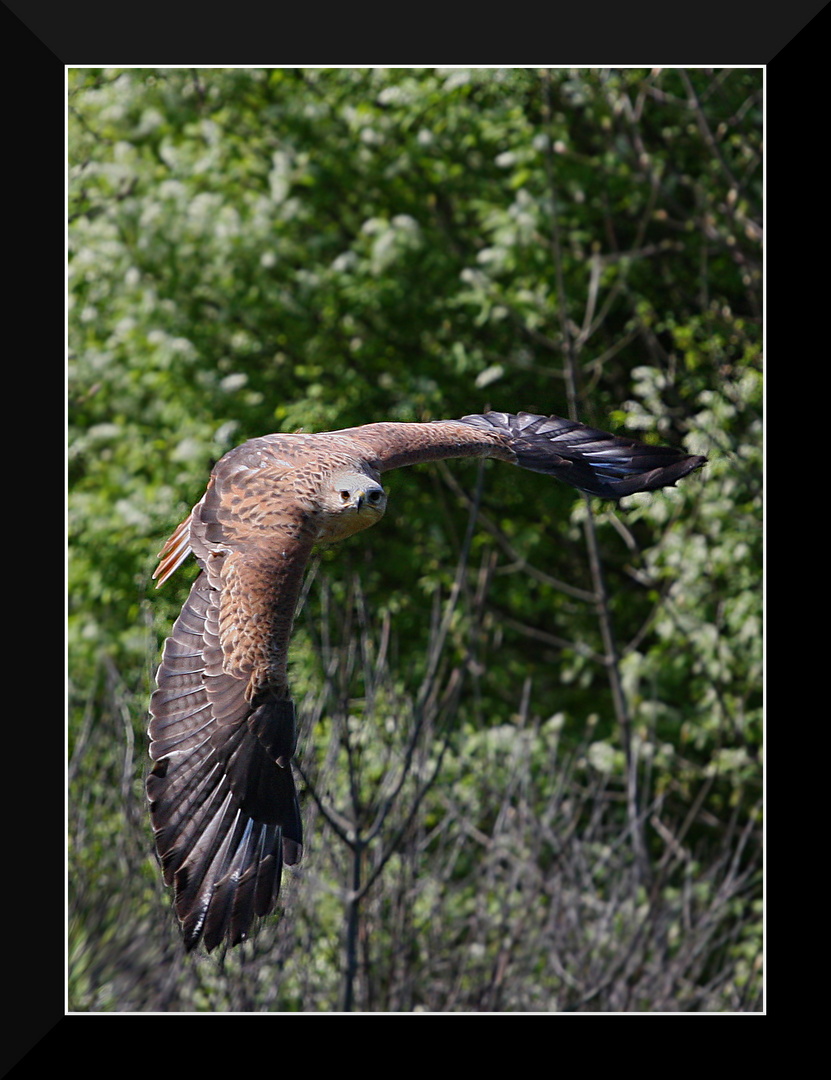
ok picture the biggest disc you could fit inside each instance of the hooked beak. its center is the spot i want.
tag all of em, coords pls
(370, 497)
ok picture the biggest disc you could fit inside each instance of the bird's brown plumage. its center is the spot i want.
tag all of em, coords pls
(222, 797)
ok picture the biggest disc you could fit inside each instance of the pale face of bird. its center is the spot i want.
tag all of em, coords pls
(351, 502)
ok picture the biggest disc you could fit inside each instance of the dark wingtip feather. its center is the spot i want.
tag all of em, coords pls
(589, 459)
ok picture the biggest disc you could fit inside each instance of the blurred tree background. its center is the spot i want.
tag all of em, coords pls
(530, 756)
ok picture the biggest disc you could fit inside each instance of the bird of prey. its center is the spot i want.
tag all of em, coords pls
(222, 797)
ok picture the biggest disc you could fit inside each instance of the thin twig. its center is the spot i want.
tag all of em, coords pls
(612, 659)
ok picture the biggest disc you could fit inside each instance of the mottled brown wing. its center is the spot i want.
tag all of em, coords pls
(388, 446)
(222, 797)
(225, 814)
(594, 461)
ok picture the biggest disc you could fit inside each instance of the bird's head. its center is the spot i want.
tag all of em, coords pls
(350, 501)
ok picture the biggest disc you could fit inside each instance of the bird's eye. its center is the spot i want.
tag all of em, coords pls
(344, 496)
(374, 496)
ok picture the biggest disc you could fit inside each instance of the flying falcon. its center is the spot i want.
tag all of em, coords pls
(222, 797)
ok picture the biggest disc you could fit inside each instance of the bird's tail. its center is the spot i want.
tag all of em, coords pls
(594, 461)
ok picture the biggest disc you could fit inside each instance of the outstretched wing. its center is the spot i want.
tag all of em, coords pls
(589, 459)
(225, 814)
(594, 461)
(222, 797)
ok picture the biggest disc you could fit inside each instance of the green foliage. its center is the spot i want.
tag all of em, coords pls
(262, 250)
